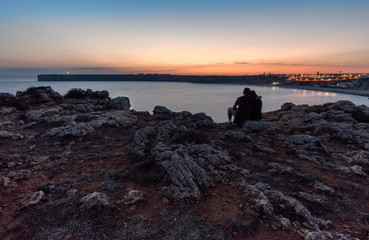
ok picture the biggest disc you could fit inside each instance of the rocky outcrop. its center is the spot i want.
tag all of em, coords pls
(38, 95)
(84, 165)
(183, 171)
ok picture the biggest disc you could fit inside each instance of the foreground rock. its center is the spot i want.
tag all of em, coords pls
(85, 166)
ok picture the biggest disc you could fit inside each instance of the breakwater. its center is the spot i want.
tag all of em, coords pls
(252, 79)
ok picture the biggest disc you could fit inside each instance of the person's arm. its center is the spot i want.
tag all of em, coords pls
(236, 104)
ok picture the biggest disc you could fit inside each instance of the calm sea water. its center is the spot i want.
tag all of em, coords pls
(213, 99)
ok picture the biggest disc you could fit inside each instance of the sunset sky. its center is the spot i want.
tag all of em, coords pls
(232, 37)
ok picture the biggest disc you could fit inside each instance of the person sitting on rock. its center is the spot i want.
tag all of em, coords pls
(241, 110)
(257, 104)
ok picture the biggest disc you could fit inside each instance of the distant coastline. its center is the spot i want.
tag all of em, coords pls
(258, 80)
(246, 79)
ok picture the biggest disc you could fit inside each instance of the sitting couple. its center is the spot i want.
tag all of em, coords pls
(246, 107)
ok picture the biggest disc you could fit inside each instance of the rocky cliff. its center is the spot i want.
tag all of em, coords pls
(85, 166)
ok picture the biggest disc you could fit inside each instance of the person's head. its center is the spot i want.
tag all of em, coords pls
(253, 94)
(246, 91)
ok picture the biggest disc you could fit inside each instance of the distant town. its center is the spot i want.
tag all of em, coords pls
(353, 81)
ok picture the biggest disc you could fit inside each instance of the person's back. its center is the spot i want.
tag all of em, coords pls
(243, 113)
(256, 106)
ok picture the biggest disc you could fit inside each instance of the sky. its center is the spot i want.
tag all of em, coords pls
(201, 37)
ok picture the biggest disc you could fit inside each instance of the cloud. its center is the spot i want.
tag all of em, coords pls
(242, 63)
(300, 64)
(92, 68)
(22, 71)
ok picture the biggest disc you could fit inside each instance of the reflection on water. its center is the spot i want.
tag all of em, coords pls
(306, 93)
(213, 99)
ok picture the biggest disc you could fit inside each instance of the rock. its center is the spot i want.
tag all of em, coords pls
(205, 155)
(176, 193)
(358, 170)
(314, 117)
(6, 134)
(313, 236)
(306, 155)
(32, 199)
(49, 115)
(182, 170)
(287, 106)
(164, 129)
(11, 164)
(286, 223)
(6, 110)
(339, 116)
(264, 148)
(319, 199)
(321, 187)
(79, 107)
(301, 139)
(161, 110)
(362, 157)
(325, 128)
(95, 199)
(165, 200)
(133, 196)
(342, 105)
(282, 169)
(301, 108)
(186, 165)
(72, 193)
(78, 130)
(20, 175)
(7, 124)
(120, 103)
(289, 205)
(145, 135)
(202, 120)
(98, 94)
(218, 176)
(4, 96)
(116, 119)
(238, 136)
(345, 135)
(255, 126)
(35, 95)
(260, 202)
(141, 138)
(305, 142)
(7, 182)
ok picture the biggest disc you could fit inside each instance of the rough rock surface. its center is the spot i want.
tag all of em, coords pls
(85, 166)
(95, 199)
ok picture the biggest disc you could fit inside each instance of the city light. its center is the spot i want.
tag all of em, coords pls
(322, 77)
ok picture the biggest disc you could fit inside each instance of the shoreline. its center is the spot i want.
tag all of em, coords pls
(363, 93)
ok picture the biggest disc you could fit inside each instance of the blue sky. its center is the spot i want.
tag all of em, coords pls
(183, 37)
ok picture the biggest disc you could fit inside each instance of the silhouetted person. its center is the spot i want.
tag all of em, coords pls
(241, 110)
(257, 104)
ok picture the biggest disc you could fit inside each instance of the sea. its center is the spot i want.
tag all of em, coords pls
(212, 99)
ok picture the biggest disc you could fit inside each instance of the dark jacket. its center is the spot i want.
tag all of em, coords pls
(243, 107)
(256, 109)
